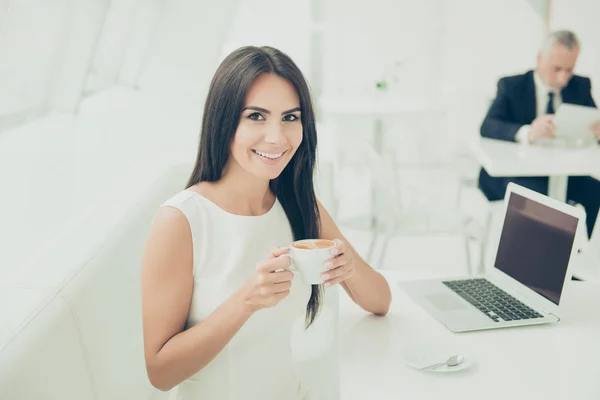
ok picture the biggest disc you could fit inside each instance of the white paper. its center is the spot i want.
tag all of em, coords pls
(573, 123)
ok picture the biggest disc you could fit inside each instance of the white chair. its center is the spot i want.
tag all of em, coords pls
(422, 209)
(327, 164)
(345, 169)
(587, 261)
(337, 155)
(411, 211)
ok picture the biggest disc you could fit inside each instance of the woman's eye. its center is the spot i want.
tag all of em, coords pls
(255, 117)
(290, 118)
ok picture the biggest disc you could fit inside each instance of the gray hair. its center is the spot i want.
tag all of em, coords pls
(566, 38)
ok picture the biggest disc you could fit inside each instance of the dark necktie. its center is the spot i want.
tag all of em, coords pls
(550, 106)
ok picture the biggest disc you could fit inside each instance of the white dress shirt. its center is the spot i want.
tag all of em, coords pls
(541, 101)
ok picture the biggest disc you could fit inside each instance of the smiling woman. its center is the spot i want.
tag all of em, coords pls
(270, 128)
(219, 303)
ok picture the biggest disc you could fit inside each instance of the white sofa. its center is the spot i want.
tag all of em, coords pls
(70, 327)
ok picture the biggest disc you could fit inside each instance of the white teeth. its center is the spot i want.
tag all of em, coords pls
(268, 155)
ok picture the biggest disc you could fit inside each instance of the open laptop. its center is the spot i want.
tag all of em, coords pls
(530, 272)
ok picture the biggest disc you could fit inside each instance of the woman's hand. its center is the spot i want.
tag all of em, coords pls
(270, 283)
(341, 266)
(595, 128)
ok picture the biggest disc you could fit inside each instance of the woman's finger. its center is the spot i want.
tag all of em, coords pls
(339, 270)
(340, 247)
(273, 264)
(277, 251)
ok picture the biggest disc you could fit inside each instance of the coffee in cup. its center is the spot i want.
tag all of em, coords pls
(313, 244)
(308, 257)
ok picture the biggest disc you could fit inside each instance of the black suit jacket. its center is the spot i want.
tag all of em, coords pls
(515, 106)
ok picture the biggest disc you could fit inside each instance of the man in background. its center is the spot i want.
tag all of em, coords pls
(523, 111)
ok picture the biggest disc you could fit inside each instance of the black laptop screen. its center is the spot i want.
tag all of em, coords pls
(535, 245)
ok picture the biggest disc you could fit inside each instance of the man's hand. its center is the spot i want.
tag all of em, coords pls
(595, 128)
(542, 128)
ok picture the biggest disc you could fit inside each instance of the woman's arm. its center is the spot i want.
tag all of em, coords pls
(172, 353)
(365, 286)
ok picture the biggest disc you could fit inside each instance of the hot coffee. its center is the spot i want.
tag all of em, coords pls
(313, 244)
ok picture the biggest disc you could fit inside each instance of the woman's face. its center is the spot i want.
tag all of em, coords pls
(270, 128)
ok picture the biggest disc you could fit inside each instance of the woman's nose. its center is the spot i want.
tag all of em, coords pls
(275, 133)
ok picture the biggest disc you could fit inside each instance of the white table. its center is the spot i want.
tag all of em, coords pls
(558, 361)
(502, 159)
(380, 106)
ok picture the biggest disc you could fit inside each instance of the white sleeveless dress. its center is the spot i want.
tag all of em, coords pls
(257, 363)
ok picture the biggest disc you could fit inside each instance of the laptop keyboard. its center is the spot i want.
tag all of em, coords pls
(491, 300)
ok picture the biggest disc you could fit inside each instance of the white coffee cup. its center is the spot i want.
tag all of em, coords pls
(309, 257)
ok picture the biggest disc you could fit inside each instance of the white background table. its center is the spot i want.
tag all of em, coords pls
(502, 159)
(558, 361)
(378, 107)
(381, 107)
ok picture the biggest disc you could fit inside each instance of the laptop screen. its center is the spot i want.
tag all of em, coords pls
(535, 245)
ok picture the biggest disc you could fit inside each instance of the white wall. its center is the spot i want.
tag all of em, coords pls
(32, 34)
(581, 16)
(81, 32)
(52, 52)
(468, 43)
(484, 41)
(112, 44)
(281, 24)
(365, 39)
(453, 51)
(186, 42)
(46, 49)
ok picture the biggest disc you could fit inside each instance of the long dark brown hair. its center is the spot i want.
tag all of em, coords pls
(224, 103)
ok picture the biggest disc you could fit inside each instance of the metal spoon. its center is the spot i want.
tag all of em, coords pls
(450, 362)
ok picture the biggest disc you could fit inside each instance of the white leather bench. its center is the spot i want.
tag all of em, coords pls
(70, 327)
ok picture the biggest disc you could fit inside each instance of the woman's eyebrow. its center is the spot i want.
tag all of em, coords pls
(263, 110)
(291, 111)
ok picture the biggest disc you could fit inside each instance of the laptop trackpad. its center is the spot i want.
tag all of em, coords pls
(446, 302)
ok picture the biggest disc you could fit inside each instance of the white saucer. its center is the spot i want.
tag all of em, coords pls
(425, 354)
